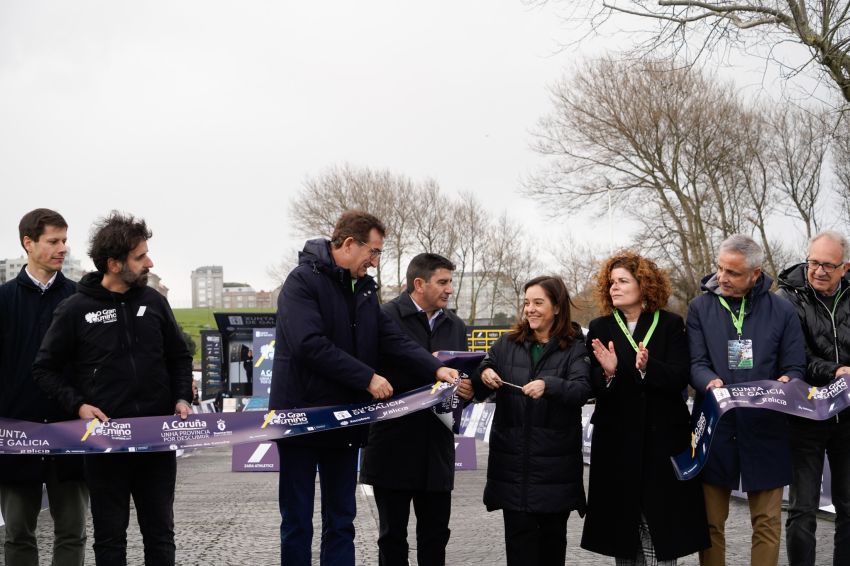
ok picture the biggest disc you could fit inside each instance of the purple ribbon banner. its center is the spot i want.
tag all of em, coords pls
(796, 398)
(159, 434)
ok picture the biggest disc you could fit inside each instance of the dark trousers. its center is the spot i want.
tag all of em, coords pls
(337, 480)
(810, 440)
(20, 505)
(433, 510)
(535, 539)
(150, 479)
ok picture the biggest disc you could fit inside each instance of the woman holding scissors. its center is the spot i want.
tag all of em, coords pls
(539, 372)
(638, 511)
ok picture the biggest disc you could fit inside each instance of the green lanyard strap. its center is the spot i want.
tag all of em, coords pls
(737, 321)
(628, 334)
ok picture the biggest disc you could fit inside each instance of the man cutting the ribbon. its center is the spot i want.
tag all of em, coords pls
(331, 334)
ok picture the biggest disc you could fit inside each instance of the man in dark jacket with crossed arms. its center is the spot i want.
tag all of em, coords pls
(331, 335)
(413, 458)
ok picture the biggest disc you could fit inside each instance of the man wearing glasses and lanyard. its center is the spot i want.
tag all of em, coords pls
(818, 289)
(738, 332)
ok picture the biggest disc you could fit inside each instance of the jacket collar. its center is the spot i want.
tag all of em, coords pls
(709, 284)
(794, 279)
(317, 255)
(24, 279)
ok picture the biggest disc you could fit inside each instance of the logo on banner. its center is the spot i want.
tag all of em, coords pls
(291, 418)
(342, 415)
(109, 429)
(19, 439)
(831, 391)
(260, 452)
(266, 353)
(181, 424)
(220, 424)
(439, 386)
(105, 316)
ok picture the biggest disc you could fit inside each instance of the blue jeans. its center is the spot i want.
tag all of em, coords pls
(150, 479)
(810, 440)
(337, 480)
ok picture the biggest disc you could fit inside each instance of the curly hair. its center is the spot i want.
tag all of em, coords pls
(654, 283)
(562, 327)
(115, 236)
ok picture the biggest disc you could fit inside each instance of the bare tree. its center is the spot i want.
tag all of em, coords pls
(280, 270)
(665, 140)
(578, 263)
(841, 166)
(509, 263)
(822, 27)
(386, 195)
(469, 216)
(799, 144)
(433, 225)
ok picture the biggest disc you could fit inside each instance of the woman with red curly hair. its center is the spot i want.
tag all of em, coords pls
(638, 511)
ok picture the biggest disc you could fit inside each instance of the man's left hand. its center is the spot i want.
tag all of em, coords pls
(464, 389)
(183, 409)
(783, 378)
(449, 375)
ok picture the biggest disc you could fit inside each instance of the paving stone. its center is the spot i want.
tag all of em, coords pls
(232, 519)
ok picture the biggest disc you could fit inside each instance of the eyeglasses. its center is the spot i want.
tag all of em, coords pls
(827, 267)
(374, 253)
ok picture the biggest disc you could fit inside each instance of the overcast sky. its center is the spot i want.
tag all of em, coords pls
(206, 117)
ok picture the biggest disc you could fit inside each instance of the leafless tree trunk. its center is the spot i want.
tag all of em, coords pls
(471, 220)
(799, 144)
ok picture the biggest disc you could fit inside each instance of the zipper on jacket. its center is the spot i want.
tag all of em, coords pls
(834, 326)
(831, 314)
(532, 373)
(131, 350)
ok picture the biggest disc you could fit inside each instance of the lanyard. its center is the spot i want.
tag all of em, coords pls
(737, 321)
(628, 334)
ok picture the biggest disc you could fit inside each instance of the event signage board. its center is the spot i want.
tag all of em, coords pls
(263, 347)
(212, 361)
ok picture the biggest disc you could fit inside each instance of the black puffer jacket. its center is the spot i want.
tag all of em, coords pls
(535, 462)
(827, 333)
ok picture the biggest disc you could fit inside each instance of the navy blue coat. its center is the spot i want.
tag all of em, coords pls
(749, 444)
(415, 452)
(25, 315)
(330, 338)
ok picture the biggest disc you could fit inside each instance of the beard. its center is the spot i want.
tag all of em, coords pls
(133, 279)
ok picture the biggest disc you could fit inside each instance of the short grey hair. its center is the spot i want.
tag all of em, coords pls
(744, 245)
(836, 237)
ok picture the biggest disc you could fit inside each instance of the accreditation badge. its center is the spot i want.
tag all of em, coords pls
(740, 354)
